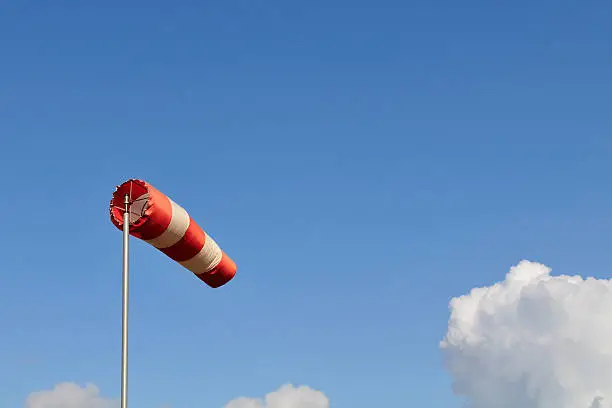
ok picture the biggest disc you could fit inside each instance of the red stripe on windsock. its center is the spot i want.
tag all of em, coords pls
(189, 246)
(159, 214)
(221, 274)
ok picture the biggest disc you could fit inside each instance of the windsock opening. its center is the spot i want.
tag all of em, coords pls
(138, 197)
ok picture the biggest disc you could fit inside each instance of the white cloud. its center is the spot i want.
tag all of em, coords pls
(532, 341)
(287, 396)
(70, 395)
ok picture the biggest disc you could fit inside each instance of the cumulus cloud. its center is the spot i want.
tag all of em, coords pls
(288, 396)
(533, 340)
(70, 395)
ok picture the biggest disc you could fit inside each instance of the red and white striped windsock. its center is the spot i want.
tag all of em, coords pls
(159, 221)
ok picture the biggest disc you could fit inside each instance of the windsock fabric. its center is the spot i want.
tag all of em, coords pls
(164, 224)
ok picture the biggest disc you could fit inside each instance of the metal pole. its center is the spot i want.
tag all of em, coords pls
(126, 282)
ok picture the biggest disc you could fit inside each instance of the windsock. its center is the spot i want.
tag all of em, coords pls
(159, 221)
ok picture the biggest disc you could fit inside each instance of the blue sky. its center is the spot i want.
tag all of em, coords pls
(362, 162)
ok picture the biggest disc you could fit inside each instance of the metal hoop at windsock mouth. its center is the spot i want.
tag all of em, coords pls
(159, 221)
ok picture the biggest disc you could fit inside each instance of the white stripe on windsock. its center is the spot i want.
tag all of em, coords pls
(207, 259)
(175, 231)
